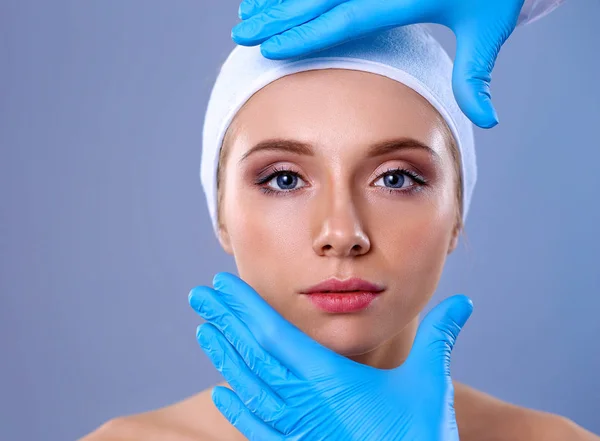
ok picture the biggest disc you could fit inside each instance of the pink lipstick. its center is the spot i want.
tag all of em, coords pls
(343, 296)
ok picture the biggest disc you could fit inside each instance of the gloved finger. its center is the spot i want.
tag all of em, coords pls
(438, 331)
(254, 393)
(279, 18)
(301, 354)
(232, 408)
(249, 8)
(347, 21)
(476, 53)
(210, 307)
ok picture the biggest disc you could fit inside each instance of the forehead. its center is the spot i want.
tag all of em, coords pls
(337, 107)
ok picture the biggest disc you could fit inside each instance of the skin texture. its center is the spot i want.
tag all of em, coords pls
(342, 222)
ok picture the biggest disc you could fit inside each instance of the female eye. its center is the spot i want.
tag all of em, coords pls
(395, 180)
(280, 181)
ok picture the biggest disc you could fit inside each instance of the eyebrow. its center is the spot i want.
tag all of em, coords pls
(302, 148)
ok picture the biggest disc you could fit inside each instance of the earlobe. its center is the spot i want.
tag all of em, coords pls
(224, 240)
(453, 240)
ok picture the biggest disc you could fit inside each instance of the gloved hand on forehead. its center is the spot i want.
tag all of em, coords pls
(290, 28)
(287, 386)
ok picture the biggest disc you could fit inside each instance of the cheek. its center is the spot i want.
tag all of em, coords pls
(267, 247)
(414, 239)
(264, 229)
(413, 248)
(421, 235)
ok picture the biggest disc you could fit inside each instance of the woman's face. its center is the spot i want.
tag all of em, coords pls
(331, 210)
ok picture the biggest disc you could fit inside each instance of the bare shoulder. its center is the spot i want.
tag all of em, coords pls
(482, 417)
(191, 419)
(551, 427)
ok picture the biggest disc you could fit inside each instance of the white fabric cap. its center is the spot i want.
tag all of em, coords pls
(407, 54)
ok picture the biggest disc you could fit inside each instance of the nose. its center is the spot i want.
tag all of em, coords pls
(340, 232)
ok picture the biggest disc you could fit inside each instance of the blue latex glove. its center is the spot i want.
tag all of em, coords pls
(296, 27)
(289, 387)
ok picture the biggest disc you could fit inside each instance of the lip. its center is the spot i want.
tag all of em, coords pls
(342, 302)
(353, 284)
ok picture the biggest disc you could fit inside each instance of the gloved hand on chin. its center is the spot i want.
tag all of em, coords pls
(289, 387)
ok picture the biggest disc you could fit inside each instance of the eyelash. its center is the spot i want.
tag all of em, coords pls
(420, 180)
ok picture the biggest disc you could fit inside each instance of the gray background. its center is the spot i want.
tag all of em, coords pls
(104, 228)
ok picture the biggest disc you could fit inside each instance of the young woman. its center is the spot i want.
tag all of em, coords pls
(351, 163)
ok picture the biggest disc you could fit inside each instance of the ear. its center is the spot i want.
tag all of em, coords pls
(224, 239)
(453, 239)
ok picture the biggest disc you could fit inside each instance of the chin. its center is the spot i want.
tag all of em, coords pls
(347, 337)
